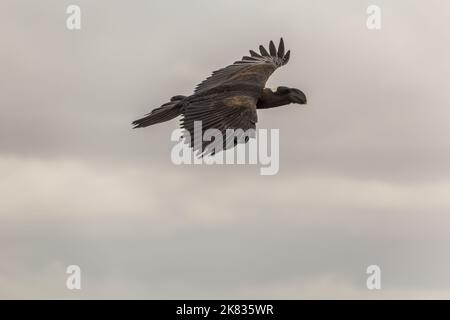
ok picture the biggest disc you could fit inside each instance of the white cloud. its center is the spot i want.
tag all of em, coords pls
(146, 228)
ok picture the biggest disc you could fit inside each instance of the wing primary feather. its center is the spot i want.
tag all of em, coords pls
(281, 49)
(263, 51)
(273, 50)
(254, 54)
(286, 57)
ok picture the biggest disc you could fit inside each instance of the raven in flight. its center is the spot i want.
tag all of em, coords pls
(228, 99)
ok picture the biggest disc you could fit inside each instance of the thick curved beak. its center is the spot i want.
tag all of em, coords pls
(299, 97)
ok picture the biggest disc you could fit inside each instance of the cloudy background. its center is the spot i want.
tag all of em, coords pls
(364, 168)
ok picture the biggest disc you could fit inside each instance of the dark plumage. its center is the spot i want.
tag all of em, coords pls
(228, 99)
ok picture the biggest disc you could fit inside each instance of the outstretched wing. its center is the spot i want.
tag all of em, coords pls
(227, 99)
(221, 112)
(255, 69)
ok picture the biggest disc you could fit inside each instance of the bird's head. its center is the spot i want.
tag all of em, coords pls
(292, 94)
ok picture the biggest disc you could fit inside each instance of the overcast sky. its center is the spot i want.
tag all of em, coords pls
(364, 168)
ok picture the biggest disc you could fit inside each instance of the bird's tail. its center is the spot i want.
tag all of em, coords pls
(164, 113)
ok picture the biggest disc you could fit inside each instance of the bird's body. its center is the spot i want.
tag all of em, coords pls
(229, 98)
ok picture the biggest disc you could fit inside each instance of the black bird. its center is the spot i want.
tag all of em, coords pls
(228, 99)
